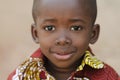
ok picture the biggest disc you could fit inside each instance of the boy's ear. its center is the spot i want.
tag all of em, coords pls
(95, 33)
(34, 33)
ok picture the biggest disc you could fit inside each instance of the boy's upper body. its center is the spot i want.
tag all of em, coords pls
(39, 72)
(64, 29)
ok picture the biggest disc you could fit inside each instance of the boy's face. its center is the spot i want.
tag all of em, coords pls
(64, 31)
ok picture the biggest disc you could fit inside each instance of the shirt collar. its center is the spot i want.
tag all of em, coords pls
(33, 68)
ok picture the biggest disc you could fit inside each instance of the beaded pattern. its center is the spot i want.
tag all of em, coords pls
(90, 61)
(33, 69)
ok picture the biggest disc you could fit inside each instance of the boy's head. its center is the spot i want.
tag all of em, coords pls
(64, 29)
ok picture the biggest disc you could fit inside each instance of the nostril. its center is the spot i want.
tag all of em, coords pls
(67, 42)
(57, 42)
(62, 42)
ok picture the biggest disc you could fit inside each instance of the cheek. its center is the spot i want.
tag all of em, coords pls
(44, 46)
(45, 43)
(81, 42)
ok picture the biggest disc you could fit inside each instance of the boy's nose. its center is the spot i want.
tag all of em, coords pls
(63, 41)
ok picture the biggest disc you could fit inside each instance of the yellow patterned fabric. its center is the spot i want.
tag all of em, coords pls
(90, 61)
(33, 68)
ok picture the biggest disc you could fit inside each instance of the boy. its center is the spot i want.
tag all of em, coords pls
(64, 29)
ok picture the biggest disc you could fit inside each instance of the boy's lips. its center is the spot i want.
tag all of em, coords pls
(62, 56)
(63, 53)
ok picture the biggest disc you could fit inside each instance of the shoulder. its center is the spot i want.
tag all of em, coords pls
(27, 69)
(35, 59)
(111, 73)
(11, 75)
(107, 73)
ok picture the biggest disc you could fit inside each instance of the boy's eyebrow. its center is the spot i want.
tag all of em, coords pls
(76, 20)
(49, 19)
(71, 20)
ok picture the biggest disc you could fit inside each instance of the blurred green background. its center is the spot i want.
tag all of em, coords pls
(16, 42)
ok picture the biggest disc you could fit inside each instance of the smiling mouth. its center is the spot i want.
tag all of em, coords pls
(63, 53)
(62, 56)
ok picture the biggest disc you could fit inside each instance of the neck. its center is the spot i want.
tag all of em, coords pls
(58, 72)
(53, 68)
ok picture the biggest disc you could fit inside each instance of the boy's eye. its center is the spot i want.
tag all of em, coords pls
(76, 28)
(49, 28)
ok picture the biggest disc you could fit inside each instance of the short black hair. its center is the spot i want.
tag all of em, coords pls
(90, 6)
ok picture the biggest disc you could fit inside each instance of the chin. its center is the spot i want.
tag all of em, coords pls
(63, 65)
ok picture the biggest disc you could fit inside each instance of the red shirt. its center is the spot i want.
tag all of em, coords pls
(106, 73)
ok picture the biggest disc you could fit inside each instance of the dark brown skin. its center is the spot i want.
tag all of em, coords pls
(64, 31)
